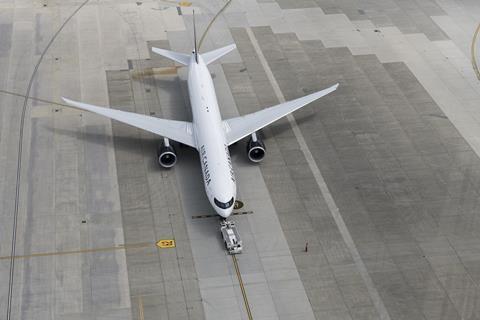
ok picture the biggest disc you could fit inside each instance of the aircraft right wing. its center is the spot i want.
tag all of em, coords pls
(240, 127)
(180, 131)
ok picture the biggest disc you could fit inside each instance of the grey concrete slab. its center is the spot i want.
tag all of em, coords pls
(396, 145)
(149, 213)
(422, 148)
(216, 276)
(53, 219)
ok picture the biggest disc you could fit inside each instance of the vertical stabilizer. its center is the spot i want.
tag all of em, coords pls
(195, 38)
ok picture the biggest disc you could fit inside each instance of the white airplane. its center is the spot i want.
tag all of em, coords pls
(208, 133)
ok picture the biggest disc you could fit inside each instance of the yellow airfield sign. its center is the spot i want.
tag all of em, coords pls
(166, 243)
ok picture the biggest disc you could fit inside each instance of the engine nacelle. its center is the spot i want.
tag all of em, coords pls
(255, 149)
(167, 156)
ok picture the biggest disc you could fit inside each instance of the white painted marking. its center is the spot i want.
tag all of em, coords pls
(347, 238)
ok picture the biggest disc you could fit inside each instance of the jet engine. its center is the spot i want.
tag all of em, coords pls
(255, 149)
(167, 156)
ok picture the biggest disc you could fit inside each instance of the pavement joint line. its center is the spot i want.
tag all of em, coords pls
(333, 208)
(472, 48)
(60, 253)
(242, 287)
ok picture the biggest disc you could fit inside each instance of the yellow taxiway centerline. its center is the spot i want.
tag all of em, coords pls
(211, 22)
(60, 253)
(141, 315)
(242, 287)
(474, 58)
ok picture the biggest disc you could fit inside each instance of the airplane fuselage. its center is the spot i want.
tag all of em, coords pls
(218, 175)
(207, 132)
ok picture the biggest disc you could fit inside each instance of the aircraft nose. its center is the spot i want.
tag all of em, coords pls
(225, 213)
(222, 207)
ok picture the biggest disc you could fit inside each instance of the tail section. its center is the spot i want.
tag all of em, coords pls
(184, 59)
(211, 56)
(181, 58)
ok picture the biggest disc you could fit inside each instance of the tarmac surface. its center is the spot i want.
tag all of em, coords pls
(380, 180)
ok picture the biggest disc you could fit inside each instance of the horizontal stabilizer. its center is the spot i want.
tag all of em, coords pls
(181, 58)
(240, 127)
(211, 56)
(180, 131)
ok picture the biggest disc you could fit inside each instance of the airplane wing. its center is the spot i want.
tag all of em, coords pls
(180, 131)
(240, 127)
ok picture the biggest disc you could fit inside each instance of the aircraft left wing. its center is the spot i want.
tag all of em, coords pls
(180, 131)
(240, 127)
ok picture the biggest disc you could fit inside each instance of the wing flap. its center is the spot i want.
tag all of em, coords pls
(180, 131)
(240, 127)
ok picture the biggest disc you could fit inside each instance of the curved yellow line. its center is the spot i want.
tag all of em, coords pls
(211, 22)
(474, 58)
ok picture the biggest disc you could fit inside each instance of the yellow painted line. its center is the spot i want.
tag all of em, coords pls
(141, 315)
(175, 3)
(474, 57)
(166, 243)
(61, 253)
(211, 22)
(242, 287)
(33, 98)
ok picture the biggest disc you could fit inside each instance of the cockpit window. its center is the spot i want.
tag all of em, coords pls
(223, 205)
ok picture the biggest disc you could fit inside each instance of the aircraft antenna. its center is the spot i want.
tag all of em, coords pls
(195, 37)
